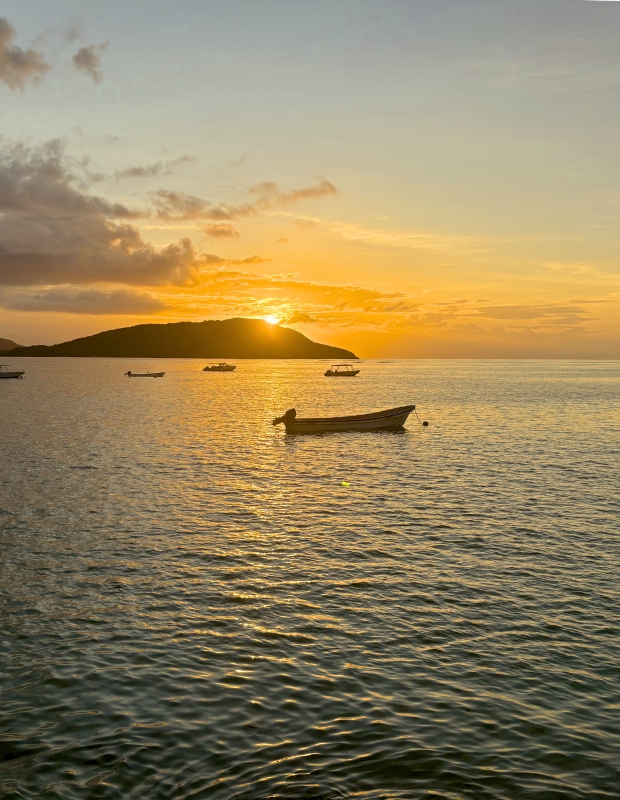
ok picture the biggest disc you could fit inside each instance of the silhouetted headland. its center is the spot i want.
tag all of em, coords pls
(8, 344)
(229, 338)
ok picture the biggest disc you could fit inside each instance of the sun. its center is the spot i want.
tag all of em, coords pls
(271, 319)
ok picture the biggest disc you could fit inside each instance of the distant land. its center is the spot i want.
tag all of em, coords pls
(7, 344)
(228, 338)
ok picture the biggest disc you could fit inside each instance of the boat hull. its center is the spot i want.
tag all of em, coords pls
(146, 375)
(12, 374)
(330, 374)
(391, 419)
(219, 369)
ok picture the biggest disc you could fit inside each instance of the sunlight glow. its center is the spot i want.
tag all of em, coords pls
(271, 319)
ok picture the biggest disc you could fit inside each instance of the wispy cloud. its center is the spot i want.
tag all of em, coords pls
(517, 316)
(174, 206)
(409, 239)
(414, 240)
(270, 194)
(155, 169)
(297, 318)
(70, 300)
(19, 67)
(291, 292)
(571, 268)
(88, 61)
(220, 230)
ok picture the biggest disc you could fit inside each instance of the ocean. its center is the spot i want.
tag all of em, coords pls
(195, 605)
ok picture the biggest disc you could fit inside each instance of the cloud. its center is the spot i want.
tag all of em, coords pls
(236, 285)
(175, 206)
(178, 206)
(54, 232)
(306, 223)
(19, 67)
(297, 317)
(515, 316)
(270, 194)
(571, 268)
(69, 300)
(73, 32)
(211, 259)
(221, 230)
(88, 60)
(153, 170)
(558, 313)
(407, 239)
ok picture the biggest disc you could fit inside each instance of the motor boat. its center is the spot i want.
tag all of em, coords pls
(7, 372)
(376, 421)
(220, 366)
(145, 374)
(341, 371)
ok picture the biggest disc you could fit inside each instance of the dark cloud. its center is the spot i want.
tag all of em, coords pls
(85, 301)
(88, 60)
(54, 232)
(153, 170)
(19, 67)
(221, 230)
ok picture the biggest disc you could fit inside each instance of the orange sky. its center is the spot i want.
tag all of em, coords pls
(401, 182)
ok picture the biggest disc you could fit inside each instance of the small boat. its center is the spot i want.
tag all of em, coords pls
(6, 372)
(376, 421)
(341, 371)
(220, 366)
(145, 374)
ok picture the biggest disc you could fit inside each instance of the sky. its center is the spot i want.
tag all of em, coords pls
(407, 179)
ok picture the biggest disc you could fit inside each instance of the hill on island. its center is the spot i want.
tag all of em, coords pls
(229, 338)
(7, 344)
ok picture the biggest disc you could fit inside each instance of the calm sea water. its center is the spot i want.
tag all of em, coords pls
(194, 605)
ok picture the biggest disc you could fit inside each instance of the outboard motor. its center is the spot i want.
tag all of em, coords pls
(286, 418)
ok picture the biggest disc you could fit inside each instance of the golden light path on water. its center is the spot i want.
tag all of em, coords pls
(194, 604)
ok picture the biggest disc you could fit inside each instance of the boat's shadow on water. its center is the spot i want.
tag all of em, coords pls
(290, 437)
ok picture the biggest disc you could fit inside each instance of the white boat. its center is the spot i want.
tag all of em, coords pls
(145, 374)
(220, 366)
(341, 371)
(7, 372)
(376, 421)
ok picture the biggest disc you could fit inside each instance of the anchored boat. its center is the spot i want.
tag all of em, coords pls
(220, 366)
(7, 372)
(145, 374)
(341, 371)
(376, 421)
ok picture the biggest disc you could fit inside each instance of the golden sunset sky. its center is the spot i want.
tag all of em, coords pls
(432, 178)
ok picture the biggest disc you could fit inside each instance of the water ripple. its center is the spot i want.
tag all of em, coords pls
(193, 605)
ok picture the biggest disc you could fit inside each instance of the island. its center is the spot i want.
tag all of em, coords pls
(228, 338)
(8, 344)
